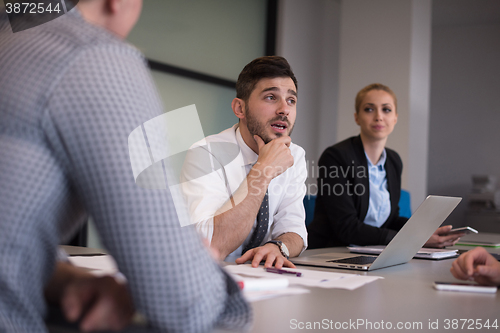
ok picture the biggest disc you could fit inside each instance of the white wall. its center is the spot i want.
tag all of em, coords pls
(208, 36)
(308, 33)
(465, 119)
(336, 47)
(216, 37)
(419, 101)
(388, 41)
(446, 76)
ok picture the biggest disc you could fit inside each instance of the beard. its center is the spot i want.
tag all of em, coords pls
(256, 127)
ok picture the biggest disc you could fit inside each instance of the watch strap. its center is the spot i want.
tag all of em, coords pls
(279, 244)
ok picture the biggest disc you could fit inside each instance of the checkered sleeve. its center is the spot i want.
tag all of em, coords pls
(91, 110)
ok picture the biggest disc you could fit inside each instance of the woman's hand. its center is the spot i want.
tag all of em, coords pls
(440, 238)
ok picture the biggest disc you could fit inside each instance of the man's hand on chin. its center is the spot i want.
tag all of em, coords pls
(268, 252)
(275, 157)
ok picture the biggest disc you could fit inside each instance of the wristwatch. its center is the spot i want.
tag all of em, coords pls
(283, 249)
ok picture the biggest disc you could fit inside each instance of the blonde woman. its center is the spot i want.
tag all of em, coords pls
(359, 181)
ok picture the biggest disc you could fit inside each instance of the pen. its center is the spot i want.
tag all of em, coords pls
(282, 271)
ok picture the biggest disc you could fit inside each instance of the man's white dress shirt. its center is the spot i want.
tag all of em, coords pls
(206, 194)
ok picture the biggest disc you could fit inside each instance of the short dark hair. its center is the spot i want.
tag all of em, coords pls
(260, 68)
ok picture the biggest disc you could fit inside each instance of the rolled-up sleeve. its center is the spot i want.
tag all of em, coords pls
(290, 214)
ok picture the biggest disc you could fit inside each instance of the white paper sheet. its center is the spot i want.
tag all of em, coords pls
(309, 278)
(254, 296)
(99, 265)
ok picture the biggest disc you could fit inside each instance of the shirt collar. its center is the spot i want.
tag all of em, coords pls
(381, 161)
(249, 156)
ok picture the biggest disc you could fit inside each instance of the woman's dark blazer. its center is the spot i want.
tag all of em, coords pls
(344, 194)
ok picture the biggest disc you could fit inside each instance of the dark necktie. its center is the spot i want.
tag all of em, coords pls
(262, 223)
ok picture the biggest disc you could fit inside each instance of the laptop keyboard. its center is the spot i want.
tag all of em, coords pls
(359, 260)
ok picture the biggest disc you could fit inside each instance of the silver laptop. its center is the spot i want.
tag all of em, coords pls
(427, 218)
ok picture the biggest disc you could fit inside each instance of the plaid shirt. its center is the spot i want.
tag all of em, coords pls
(70, 94)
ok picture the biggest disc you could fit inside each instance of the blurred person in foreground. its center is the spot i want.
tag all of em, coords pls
(71, 92)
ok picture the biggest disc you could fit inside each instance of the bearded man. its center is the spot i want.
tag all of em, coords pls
(249, 206)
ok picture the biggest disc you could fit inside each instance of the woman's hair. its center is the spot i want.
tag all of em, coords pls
(374, 86)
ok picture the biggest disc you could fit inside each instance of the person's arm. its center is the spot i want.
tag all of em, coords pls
(271, 254)
(288, 218)
(101, 303)
(294, 243)
(94, 107)
(440, 239)
(477, 265)
(232, 227)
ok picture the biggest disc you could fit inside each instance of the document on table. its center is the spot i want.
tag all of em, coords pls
(309, 278)
(254, 296)
(256, 289)
(423, 253)
(483, 239)
(98, 265)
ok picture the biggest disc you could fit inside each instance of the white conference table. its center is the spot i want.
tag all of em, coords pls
(404, 298)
